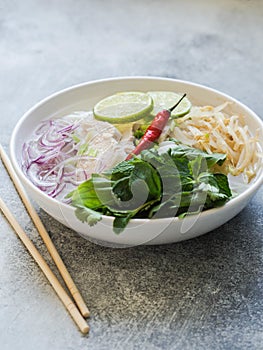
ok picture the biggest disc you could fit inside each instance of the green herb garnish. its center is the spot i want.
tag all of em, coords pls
(177, 182)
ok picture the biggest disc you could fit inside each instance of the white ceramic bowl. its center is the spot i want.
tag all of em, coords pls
(139, 231)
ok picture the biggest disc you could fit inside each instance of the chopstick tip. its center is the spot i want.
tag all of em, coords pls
(85, 330)
(86, 313)
(3, 154)
(1, 149)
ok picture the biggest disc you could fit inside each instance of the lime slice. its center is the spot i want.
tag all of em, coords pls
(123, 107)
(167, 99)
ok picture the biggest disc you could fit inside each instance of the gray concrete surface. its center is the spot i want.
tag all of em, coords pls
(204, 293)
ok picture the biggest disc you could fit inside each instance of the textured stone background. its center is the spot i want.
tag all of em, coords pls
(204, 293)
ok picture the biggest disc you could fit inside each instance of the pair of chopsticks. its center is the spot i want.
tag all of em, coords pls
(78, 313)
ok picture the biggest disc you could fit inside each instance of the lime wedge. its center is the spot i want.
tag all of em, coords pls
(123, 107)
(166, 99)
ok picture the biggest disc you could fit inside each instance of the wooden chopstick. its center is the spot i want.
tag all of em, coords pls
(45, 236)
(69, 304)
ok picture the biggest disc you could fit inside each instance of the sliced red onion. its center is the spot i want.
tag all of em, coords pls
(50, 158)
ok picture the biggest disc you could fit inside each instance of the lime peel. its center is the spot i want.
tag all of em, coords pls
(165, 99)
(123, 107)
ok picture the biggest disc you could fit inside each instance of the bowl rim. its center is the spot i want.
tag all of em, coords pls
(231, 203)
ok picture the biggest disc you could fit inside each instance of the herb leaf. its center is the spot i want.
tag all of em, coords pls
(85, 214)
(177, 182)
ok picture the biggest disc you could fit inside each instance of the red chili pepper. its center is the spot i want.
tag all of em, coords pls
(154, 131)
